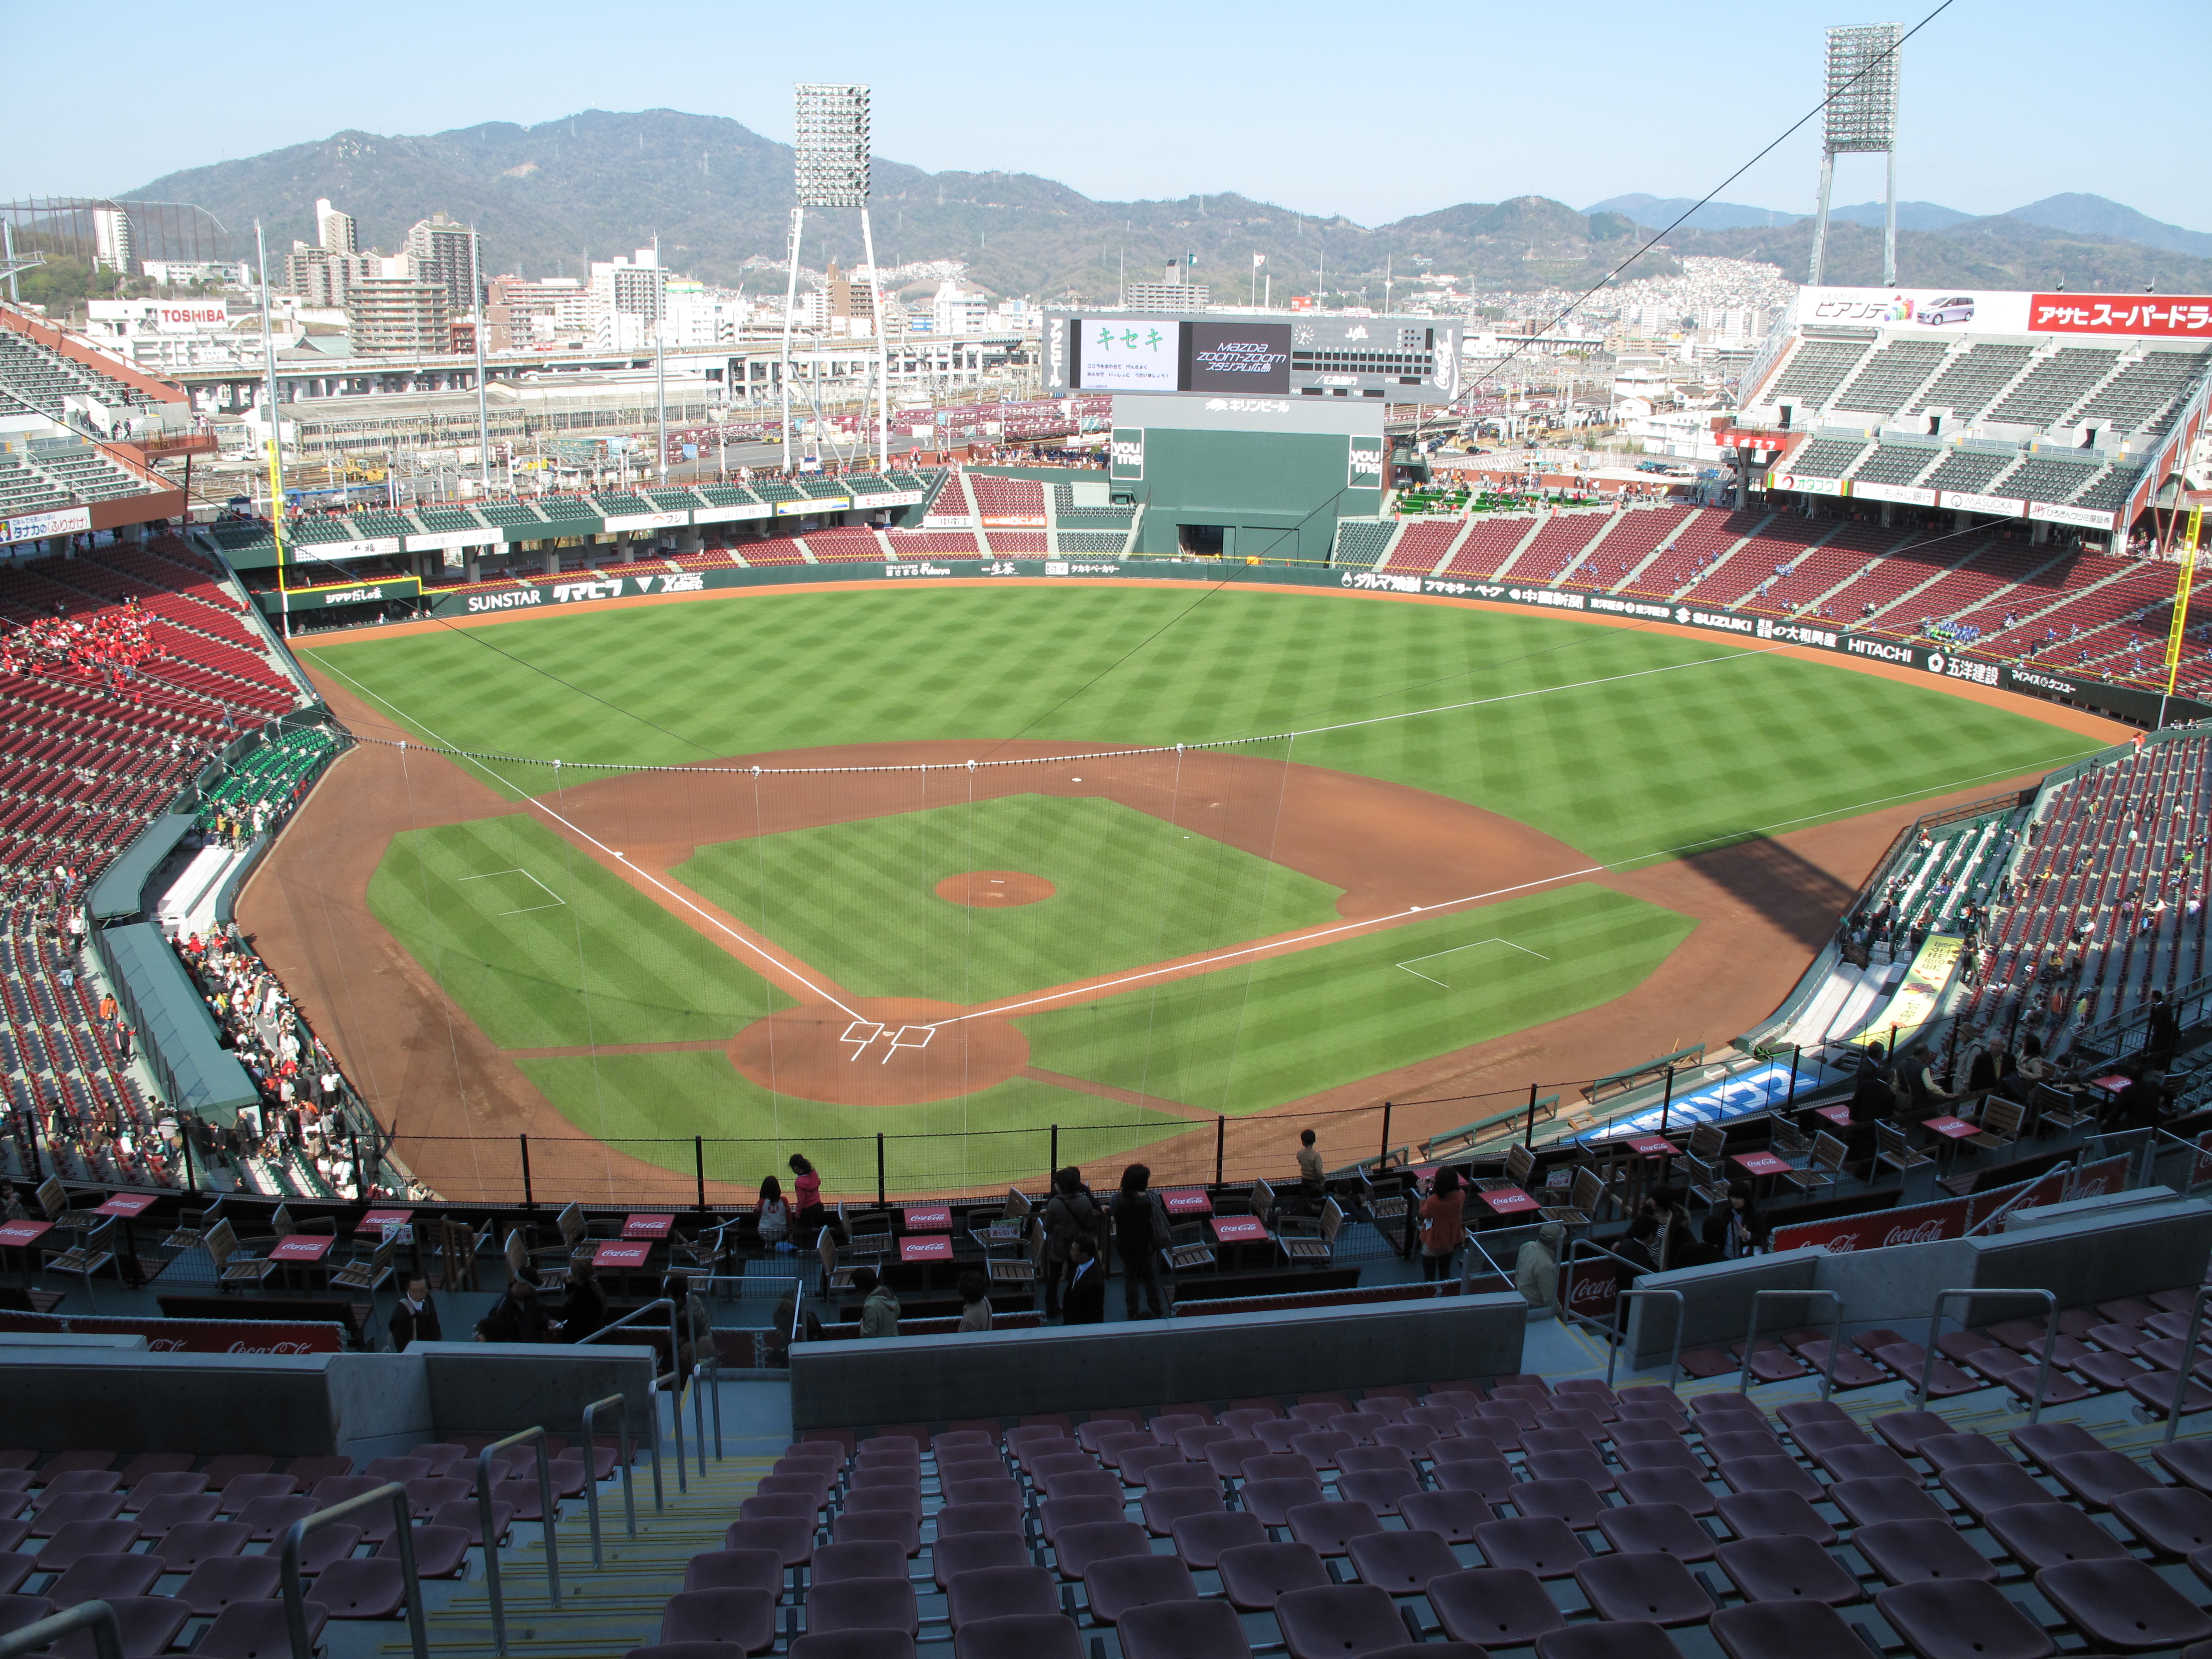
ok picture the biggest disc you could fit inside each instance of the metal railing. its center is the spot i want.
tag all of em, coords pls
(675, 1348)
(1928, 1356)
(545, 1495)
(1751, 1336)
(106, 1630)
(2012, 1203)
(295, 1605)
(1674, 1358)
(2188, 1360)
(621, 1403)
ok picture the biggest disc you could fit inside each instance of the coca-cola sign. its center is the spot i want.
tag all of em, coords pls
(1595, 1291)
(1923, 1224)
(189, 1335)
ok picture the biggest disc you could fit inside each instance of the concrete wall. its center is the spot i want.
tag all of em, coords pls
(1056, 1367)
(1716, 1303)
(2106, 1253)
(474, 1387)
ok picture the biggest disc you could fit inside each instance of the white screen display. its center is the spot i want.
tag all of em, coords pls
(1130, 356)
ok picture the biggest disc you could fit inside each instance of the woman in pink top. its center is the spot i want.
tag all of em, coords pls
(1444, 1214)
(806, 1194)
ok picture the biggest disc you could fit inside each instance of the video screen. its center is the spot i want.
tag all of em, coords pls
(1120, 355)
(1241, 358)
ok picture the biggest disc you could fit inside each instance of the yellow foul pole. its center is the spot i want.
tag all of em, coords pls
(2188, 580)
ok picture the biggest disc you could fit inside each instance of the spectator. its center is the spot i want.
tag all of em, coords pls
(516, 1317)
(1537, 1268)
(2140, 1105)
(2160, 1030)
(806, 1194)
(1140, 1231)
(416, 1318)
(1069, 1214)
(879, 1309)
(1086, 1284)
(1443, 1218)
(1665, 1206)
(975, 1300)
(1735, 1228)
(587, 1309)
(1634, 1248)
(1929, 1097)
(773, 1215)
(1312, 1179)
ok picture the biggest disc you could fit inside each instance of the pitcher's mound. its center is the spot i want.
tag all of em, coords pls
(889, 1051)
(994, 888)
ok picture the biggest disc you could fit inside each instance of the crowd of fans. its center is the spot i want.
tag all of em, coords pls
(107, 645)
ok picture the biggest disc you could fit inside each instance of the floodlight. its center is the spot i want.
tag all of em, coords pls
(832, 143)
(1862, 108)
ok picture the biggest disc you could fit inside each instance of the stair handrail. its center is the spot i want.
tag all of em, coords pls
(535, 1434)
(402, 1528)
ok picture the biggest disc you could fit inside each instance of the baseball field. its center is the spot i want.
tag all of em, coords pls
(1428, 851)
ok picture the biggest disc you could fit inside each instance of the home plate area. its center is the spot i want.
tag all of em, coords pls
(880, 1051)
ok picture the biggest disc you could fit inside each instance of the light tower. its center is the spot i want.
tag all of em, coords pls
(1861, 119)
(832, 144)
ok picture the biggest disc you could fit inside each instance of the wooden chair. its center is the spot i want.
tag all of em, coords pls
(1787, 1141)
(1708, 1141)
(1891, 1148)
(455, 1246)
(867, 1231)
(1263, 1202)
(838, 1266)
(1705, 1179)
(1317, 1246)
(366, 1272)
(1999, 1125)
(2058, 1106)
(1825, 1168)
(53, 1199)
(84, 1259)
(1584, 1198)
(233, 1265)
(192, 1229)
(1520, 1165)
(574, 1246)
(1187, 1250)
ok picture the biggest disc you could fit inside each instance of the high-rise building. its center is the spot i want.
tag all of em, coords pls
(111, 231)
(398, 314)
(335, 230)
(628, 298)
(521, 314)
(322, 275)
(961, 310)
(446, 253)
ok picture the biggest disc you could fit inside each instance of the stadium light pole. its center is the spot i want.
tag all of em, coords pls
(1860, 117)
(830, 139)
(476, 332)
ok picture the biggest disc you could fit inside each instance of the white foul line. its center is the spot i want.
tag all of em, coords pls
(1455, 950)
(527, 876)
(585, 835)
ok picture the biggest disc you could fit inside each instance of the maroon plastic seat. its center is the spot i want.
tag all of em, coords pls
(358, 1589)
(1708, 1406)
(1491, 1476)
(464, 1513)
(243, 1487)
(1818, 1435)
(760, 1569)
(14, 1568)
(969, 1552)
(741, 1617)
(997, 1489)
(1646, 1427)
(1961, 1619)
(1952, 1451)
(150, 1624)
(1056, 1514)
(1254, 1575)
(255, 1630)
(1576, 1418)
(305, 1471)
(442, 1454)
(439, 1552)
(2050, 1534)
(77, 1539)
(1401, 1563)
(1114, 1585)
(2123, 1605)
(1379, 1490)
(2040, 1442)
(104, 1578)
(1321, 1449)
(1453, 1516)
(1557, 1440)
(793, 1540)
(1544, 1545)
(228, 1580)
(956, 1518)
(2189, 1461)
(17, 1611)
(1649, 1587)
(1093, 1482)
(1985, 1486)
(1671, 1453)
(1273, 1500)
(2098, 1477)
(1651, 1396)
(1328, 1526)
(1885, 1498)
(903, 1527)
(1162, 1509)
(267, 1518)
(1023, 1636)
(1905, 1430)
(1494, 1606)
(869, 1558)
(1277, 1434)
(1228, 1459)
(1667, 1486)
(1909, 1552)
(1444, 1419)
(327, 1544)
(74, 1508)
(1786, 1569)
(1657, 1528)
(1333, 1620)
(1077, 1547)
(1184, 1629)
(863, 1604)
(1041, 1461)
(1637, 1639)
(2176, 1522)
(1864, 1462)
(1362, 1426)
(1773, 1514)
(381, 1470)
(1572, 1501)
(1724, 1443)
(183, 1548)
(1005, 1592)
(1136, 1468)
(1784, 1630)
(1199, 1539)
(1373, 1460)
(71, 1462)
(164, 1483)
(1280, 1465)
(1775, 1473)
(162, 1516)
(1586, 1467)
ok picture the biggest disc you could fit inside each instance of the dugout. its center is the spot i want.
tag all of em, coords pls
(1237, 478)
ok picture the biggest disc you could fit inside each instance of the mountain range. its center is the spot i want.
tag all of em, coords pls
(550, 197)
(2079, 215)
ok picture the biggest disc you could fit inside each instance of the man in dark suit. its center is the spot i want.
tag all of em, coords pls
(416, 1318)
(1085, 1298)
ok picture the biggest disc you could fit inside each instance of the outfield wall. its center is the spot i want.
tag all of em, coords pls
(2127, 703)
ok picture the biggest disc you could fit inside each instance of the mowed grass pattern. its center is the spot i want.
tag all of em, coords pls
(1248, 1036)
(650, 1106)
(563, 956)
(858, 901)
(1625, 744)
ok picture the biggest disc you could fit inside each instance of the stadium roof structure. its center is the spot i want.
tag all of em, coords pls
(2069, 408)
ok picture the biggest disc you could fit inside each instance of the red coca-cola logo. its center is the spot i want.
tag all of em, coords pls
(1924, 1233)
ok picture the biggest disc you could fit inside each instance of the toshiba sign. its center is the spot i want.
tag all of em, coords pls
(189, 316)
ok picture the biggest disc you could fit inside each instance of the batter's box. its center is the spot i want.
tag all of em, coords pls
(907, 1036)
(860, 1033)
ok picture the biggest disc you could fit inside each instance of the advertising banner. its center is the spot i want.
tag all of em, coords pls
(2088, 518)
(380, 547)
(438, 541)
(796, 509)
(1881, 492)
(1365, 469)
(315, 598)
(189, 1335)
(190, 316)
(1914, 1005)
(1241, 358)
(1127, 356)
(2104, 1176)
(892, 498)
(1746, 1093)
(1124, 454)
(732, 514)
(1595, 1291)
(623, 521)
(36, 526)
(2172, 316)
(1808, 486)
(1922, 1224)
(2004, 507)
(2151, 316)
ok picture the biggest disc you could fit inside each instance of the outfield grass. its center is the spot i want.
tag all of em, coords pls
(543, 949)
(650, 1106)
(858, 901)
(1254, 1034)
(1625, 744)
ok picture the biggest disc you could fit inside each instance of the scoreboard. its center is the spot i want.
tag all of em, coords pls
(1399, 360)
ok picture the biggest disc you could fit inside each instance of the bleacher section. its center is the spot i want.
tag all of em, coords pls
(1490, 541)
(1897, 464)
(1630, 544)
(2055, 385)
(846, 546)
(1421, 545)
(1556, 545)
(1007, 498)
(2144, 395)
(1972, 380)
(1359, 542)
(1812, 375)
(2046, 479)
(44, 378)
(1827, 458)
(1766, 559)
(934, 544)
(1969, 471)
(1889, 377)
(275, 773)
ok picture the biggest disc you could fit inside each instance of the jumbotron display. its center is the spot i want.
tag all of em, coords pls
(1393, 359)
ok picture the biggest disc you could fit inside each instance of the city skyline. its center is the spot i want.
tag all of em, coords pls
(1229, 99)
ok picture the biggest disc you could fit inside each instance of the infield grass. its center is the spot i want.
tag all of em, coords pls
(858, 900)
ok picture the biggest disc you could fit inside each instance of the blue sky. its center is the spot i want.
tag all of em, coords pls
(1322, 107)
